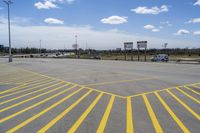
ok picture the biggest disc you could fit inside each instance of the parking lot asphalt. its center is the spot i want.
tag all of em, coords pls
(87, 96)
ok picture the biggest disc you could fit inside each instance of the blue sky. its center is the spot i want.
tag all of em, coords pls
(102, 24)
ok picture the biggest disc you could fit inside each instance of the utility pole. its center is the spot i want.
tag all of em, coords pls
(76, 42)
(8, 2)
(40, 46)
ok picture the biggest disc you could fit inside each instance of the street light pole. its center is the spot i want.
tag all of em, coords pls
(8, 2)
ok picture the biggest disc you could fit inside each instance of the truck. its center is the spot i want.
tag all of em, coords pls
(160, 58)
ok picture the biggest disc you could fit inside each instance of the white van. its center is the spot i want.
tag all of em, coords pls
(160, 57)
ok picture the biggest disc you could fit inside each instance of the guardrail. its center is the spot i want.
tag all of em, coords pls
(188, 60)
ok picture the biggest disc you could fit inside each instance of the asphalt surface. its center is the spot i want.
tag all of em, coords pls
(87, 96)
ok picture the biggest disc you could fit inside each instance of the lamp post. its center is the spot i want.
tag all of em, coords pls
(8, 2)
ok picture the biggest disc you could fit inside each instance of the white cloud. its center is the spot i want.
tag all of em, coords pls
(45, 5)
(153, 10)
(152, 28)
(194, 20)
(114, 20)
(182, 32)
(166, 23)
(197, 33)
(197, 3)
(55, 37)
(62, 1)
(53, 21)
(149, 27)
(155, 30)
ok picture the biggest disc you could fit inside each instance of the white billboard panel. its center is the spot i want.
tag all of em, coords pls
(128, 45)
(142, 44)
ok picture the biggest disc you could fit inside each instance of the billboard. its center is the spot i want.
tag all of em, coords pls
(128, 45)
(75, 46)
(142, 44)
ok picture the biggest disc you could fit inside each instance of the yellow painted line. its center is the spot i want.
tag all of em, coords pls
(145, 93)
(84, 115)
(176, 119)
(129, 117)
(194, 99)
(23, 86)
(14, 129)
(32, 98)
(60, 116)
(120, 81)
(152, 115)
(192, 90)
(184, 105)
(30, 88)
(35, 105)
(18, 78)
(20, 81)
(30, 93)
(102, 91)
(24, 82)
(196, 86)
(13, 77)
(14, 88)
(105, 116)
(32, 81)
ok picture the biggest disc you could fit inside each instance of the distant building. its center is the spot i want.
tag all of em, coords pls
(1, 47)
(118, 49)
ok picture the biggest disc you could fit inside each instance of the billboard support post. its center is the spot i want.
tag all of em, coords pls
(142, 44)
(138, 54)
(128, 46)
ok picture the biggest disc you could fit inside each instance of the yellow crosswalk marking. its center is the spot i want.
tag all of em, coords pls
(85, 114)
(152, 115)
(32, 98)
(176, 119)
(105, 117)
(30, 93)
(42, 112)
(192, 90)
(35, 105)
(196, 86)
(30, 88)
(32, 81)
(194, 99)
(23, 86)
(18, 78)
(129, 117)
(60, 116)
(13, 89)
(184, 105)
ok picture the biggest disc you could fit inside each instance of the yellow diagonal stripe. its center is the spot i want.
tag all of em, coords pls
(196, 86)
(194, 99)
(152, 115)
(35, 105)
(30, 88)
(106, 116)
(192, 90)
(176, 119)
(85, 114)
(60, 116)
(42, 112)
(30, 93)
(13, 89)
(184, 105)
(129, 117)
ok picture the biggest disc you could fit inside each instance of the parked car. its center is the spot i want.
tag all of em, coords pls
(160, 58)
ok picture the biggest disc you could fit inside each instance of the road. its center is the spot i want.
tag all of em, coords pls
(87, 96)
